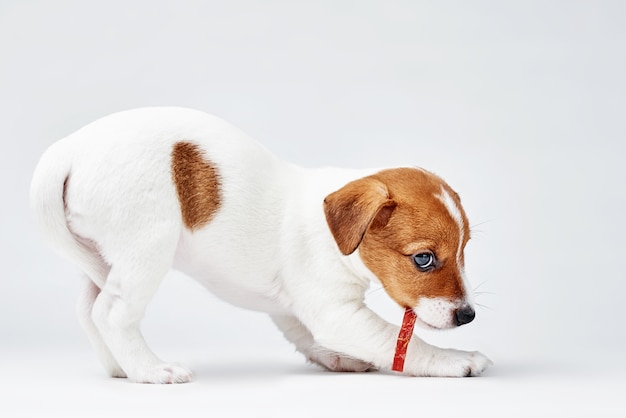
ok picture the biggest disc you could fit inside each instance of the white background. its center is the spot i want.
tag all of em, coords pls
(519, 105)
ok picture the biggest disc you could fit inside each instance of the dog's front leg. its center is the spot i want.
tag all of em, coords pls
(302, 338)
(358, 332)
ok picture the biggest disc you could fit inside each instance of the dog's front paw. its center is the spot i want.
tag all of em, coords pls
(451, 363)
(164, 373)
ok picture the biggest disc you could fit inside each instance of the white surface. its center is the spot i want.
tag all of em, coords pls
(268, 384)
(519, 105)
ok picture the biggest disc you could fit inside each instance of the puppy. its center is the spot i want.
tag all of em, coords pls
(134, 194)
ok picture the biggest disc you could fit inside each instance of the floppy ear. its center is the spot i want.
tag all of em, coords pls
(352, 209)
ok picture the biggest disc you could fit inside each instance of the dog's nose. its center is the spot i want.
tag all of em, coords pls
(464, 315)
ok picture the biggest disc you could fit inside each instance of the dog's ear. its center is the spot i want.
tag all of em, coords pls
(351, 210)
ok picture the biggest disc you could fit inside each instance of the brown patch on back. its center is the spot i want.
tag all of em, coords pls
(197, 185)
(407, 220)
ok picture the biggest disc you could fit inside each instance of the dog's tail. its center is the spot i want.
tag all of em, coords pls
(47, 198)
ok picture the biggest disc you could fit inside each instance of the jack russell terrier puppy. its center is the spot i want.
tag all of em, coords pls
(136, 193)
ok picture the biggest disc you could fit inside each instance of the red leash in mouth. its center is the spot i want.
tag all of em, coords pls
(404, 337)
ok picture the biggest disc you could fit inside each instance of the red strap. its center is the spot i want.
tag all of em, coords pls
(406, 332)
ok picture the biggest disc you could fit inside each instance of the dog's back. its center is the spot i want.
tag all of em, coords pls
(125, 178)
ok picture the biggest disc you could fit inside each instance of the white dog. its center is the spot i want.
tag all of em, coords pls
(136, 193)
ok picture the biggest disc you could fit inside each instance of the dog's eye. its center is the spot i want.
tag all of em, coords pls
(424, 261)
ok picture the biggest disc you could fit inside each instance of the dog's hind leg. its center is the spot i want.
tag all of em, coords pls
(139, 263)
(84, 308)
(302, 338)
(94, 277)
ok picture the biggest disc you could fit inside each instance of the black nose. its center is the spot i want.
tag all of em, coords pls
(464, 315)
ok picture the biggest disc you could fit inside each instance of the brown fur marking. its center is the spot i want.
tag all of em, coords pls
(350, 211)
(197, 184)
(407, 219)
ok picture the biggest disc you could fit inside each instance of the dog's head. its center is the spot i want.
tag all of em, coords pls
(410, 231)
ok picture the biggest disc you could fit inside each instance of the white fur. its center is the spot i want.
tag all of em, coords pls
(268, 247)
(436, 312)
(455, 213)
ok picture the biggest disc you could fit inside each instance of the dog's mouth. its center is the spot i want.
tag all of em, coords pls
(419, 320)
(425, 324)
(439, 313)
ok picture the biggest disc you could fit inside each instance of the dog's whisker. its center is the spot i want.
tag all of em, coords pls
(484, 293)
(475, 231)
(480, 284)
(484, 306)
(480, 223)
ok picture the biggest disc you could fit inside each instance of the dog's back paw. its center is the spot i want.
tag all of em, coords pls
(337, 362)
(164, 373)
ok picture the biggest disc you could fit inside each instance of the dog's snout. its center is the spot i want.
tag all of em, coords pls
(464, 315)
